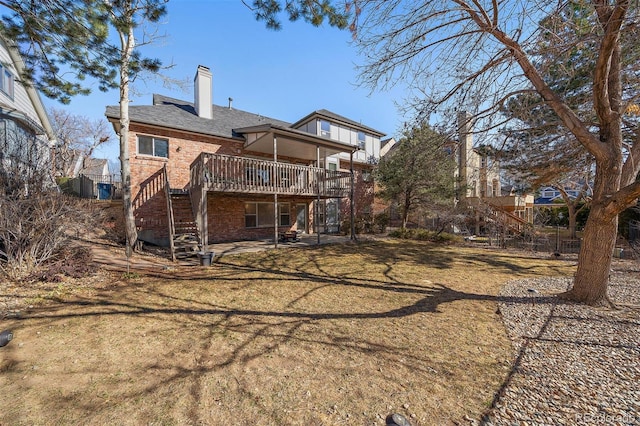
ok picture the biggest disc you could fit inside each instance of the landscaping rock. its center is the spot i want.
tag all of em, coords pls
(574, 364)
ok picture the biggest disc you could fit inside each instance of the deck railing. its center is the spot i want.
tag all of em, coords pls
(225, 173)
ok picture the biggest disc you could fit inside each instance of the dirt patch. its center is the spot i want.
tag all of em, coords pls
(339, 334)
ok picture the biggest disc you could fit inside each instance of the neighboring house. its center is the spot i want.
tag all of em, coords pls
(386, 146)
(26, 135)
(241, 175)
(98, 167)
(551, 196)
(77, 163)
(479, 179)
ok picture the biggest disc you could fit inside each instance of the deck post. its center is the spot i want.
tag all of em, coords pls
(275, 193)
(351, 199)
(317, 209)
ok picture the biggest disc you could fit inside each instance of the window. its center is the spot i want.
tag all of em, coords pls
(285, 214)
(325, 128)
(332, 212)
(250, 215)
(260, 215)
(6, 81)
(156, 147)
(362, 138)
(333, 167)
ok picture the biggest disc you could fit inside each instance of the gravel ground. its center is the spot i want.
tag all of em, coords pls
(574, 364)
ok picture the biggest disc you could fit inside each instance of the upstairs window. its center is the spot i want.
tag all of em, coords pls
(362, 138)
(325, 128)
(156, 147)
(6, 81)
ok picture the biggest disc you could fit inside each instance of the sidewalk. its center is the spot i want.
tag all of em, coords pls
(222, 249)
(113, 257)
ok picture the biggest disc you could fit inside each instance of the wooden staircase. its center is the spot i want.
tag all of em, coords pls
(185, 232)
(513, 223)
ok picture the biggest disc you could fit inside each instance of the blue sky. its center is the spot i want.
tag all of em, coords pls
(283, 74)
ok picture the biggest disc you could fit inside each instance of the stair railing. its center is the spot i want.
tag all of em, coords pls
(170, 218)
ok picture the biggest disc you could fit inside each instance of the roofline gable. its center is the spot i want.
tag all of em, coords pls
(32, 93)
(337, 118)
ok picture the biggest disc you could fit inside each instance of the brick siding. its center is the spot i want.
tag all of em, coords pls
(225, 211)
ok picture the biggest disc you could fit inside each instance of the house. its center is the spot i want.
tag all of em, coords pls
(98, 167)
(551, 197)
(26, 135)
(387, 145)
(479, 183)
(74, 162)
(235, 175)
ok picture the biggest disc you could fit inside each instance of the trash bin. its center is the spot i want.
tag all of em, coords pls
(206, 258)
(104, 191)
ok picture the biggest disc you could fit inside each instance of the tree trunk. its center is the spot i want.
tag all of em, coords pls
(594, 262)
(571, 210)
(405, 210)
(600, 233)
(127, 42)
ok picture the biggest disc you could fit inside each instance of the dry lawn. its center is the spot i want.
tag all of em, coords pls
(340, 334)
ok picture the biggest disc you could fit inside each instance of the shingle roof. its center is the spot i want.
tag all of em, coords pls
(177, 114)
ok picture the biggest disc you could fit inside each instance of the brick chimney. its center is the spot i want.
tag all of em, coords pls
(203, 88)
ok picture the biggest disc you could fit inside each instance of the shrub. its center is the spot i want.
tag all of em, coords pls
(424, 235)
(359, 225)
(38, 229)
(75, 262)
(380, 222)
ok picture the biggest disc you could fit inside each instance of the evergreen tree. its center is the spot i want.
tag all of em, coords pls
(418, 173)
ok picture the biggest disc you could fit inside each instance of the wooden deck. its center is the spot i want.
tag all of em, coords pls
(224, 173)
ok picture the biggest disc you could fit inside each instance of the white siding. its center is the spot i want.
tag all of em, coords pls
(345, 135)
(376, 147)
(312, 127)
(348, 135)
(20, 99)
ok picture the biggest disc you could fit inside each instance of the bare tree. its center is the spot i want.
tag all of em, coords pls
(478, 54)
(77, 139)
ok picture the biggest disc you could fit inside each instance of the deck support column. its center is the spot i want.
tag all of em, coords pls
(317, 209)
(275, 194)
(351, 198)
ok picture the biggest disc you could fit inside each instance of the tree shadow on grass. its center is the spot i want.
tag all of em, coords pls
(264, 331)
